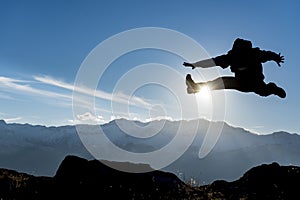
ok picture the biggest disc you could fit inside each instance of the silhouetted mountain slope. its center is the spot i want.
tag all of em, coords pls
(262, 182)
(78, 178)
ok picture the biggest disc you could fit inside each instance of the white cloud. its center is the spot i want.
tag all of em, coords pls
(8, 120)
(88, 118)
(127, 116)
(113, 117)
(159, 118)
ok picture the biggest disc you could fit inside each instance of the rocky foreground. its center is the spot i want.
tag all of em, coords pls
(77, 178)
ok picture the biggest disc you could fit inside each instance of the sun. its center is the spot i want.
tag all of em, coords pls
(204, 93)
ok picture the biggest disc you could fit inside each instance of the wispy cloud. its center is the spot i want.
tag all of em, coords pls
(11, 84)
(6, 96)
(117, 97)
(34, 87)
(23, 86)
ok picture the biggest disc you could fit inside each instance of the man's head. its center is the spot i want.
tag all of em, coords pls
(241, 44)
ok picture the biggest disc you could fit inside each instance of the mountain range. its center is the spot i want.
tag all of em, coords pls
(38, 150)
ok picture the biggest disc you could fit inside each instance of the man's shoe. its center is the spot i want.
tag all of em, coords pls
(277, 90)
(280, 92)
(192, 87)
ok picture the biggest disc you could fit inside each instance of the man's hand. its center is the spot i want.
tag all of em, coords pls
(280, 59)
(188, 65)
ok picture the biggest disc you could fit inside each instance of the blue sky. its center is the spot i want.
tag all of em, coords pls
(43, 44)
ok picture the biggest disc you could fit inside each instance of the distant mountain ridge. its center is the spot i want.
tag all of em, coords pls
(39, 150)
(78, 178)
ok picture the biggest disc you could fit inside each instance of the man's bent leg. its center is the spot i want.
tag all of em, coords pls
(270, 88)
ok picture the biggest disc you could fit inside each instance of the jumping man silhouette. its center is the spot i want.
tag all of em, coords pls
(246, 63)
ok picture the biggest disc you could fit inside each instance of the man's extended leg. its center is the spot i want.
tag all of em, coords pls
(227, 82)
(221, 83)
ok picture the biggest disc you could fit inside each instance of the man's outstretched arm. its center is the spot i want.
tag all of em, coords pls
(211, 62)
(269, 55)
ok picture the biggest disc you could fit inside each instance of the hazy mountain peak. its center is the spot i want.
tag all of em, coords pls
(2, 122)
(281, 133)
